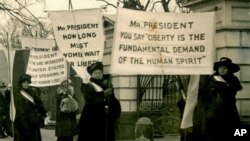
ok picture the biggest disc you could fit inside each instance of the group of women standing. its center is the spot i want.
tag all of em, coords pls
(97, 121)
(215, 116)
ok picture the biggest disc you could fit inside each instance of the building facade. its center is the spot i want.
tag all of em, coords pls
(145, 95)
(231, 39)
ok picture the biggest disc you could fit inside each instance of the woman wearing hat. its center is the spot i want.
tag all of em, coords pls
(30, 112)
(220, 116)
(97, 122)
(66, 126)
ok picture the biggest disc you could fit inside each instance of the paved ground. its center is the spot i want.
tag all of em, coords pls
(49, 135)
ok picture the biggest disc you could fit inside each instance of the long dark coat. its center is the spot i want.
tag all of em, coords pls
(4, 113)
(216, 110)
(4, 110)
(66, 124)
(27, 121)
(95, 124)
(5, 121)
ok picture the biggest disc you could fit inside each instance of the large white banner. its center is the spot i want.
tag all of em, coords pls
(163, 43)
(46, 66)
(79, 35)
(38, 44)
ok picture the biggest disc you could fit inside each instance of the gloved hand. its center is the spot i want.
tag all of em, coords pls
(108, 92)
(47, 118)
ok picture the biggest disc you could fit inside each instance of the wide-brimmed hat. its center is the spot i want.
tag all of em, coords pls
(224, 61)
(95, 66)
(25, 77)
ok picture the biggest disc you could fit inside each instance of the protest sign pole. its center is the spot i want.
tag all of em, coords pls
(68, 71)
(70, 5)
(107, 108)
(12, 105)
(68, 64)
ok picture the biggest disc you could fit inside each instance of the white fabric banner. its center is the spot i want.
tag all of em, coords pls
(46, 66)
(4, 67)
(163, 43)
(191, 101)
(79, 35)
(38, 44)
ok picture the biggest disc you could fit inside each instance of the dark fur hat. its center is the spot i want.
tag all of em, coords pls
(24, 77)
(95, 66)
(224, 61)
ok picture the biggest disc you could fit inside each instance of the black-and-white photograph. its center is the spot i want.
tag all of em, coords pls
(124, 70)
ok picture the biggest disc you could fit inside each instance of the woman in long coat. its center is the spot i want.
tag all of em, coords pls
(216, 109)
(30, 112)
(66, 125)
(97, 122)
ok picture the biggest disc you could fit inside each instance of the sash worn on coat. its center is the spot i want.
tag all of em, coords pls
(28, 116)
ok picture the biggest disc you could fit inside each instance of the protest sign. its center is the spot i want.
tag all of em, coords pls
(38, 44)
(79, 35)
(46, 67)
(163, 43)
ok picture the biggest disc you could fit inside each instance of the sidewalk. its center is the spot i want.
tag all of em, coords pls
(49, 135)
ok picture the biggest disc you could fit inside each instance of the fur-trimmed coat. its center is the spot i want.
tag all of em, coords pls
(216, 110)
(96, 123)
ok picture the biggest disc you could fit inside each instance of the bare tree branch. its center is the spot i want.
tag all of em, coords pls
(154, 5)
(136, 5)
(182, 9)
(35, 18)
(15, 12)
(133, 4)
(21, 21)
(165, 5)
(108, 3)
